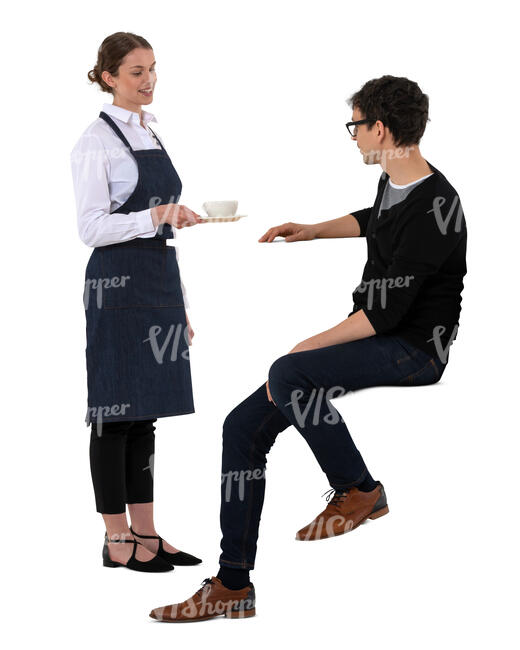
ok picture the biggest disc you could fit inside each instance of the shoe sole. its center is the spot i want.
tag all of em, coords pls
(112, 564)
(373, 515)
(248, 613)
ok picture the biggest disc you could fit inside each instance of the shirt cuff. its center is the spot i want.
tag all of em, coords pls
(144, 223)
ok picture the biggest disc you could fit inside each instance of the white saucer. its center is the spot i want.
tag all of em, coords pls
(235, 217)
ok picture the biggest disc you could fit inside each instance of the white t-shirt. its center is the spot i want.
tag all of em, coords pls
(401, 187)
(394, 193)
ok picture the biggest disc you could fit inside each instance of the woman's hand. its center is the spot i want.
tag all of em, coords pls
(291, 231)
(174, 214)
(191, 333)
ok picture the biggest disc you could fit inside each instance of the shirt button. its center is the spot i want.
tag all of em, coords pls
(372, 262)
(373, 235)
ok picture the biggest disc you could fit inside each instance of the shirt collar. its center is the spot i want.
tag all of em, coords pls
(127, 116)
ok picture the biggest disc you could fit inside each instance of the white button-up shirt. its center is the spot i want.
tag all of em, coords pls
(105, 174)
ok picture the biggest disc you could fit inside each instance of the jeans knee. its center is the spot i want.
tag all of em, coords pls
(280, 369)
(283, 376)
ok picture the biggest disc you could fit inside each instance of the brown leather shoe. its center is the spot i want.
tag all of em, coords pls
(346, 511)
(211, 600)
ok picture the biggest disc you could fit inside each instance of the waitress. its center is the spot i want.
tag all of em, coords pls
(138, 368)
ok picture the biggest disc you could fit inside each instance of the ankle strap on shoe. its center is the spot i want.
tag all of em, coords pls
(120, 541)
(144, 536)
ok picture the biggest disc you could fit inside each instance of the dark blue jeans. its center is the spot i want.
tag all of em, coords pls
(302, 385)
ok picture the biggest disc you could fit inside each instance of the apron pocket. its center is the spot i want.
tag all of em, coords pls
(140, 277)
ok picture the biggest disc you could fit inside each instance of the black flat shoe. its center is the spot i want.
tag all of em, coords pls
(179, 559)
(155, 565)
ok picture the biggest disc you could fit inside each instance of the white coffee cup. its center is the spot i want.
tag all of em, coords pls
(220, 208)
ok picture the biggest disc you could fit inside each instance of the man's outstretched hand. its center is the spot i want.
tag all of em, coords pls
(291, 231)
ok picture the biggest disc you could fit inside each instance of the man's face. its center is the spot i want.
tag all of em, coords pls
(368, 141)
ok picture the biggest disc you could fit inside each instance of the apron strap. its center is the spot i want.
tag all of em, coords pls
(111, 122)
(156, 138)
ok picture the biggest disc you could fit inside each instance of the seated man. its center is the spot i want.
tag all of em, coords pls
(404, 319)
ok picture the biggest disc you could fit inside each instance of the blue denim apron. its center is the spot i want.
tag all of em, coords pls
(137, 350)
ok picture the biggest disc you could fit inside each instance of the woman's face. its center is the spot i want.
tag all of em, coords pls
(136, 79)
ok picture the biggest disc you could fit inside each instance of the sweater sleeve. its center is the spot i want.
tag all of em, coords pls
(422, 245)
(362, 217)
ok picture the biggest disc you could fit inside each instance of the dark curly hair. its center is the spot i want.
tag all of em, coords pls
(398, 102)
(111, 53)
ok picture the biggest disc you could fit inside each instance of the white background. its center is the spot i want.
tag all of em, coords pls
(251, 102)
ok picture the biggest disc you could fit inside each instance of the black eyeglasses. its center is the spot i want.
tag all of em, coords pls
(352, 126)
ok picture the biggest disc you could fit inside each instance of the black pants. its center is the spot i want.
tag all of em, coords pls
(121, 464)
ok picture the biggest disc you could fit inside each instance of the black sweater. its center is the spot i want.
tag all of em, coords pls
(412, 280)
